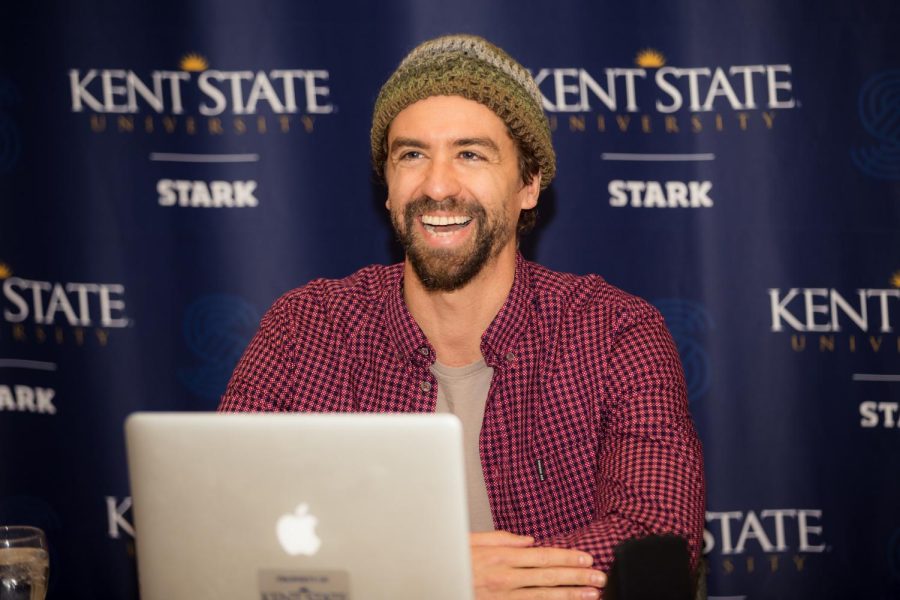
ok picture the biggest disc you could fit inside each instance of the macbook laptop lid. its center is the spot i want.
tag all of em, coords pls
(299, 506)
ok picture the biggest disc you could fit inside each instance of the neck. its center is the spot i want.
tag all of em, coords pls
(454, 321)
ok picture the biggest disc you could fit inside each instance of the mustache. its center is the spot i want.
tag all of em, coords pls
(425, 204)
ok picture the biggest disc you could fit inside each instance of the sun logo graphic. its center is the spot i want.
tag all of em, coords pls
(193, 62)
(879, 111)
(689, 322)
(648, 58)
(895, 279)
(5, 271)
(217, 328)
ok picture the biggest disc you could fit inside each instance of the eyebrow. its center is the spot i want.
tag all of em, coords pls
(484, 142)
(403, 142)
(407, 143)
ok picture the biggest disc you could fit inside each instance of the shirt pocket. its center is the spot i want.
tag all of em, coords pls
(561, 485)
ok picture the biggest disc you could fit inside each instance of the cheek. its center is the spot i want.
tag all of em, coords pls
(516, 198)
(396, 206)
(400, 188)
(393, 206)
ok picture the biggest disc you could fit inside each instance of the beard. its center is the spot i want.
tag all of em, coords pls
(444, 269)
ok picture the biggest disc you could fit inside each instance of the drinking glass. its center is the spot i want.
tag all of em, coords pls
(24, 563)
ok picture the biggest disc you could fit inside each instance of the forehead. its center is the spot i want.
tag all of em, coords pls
(449, 117)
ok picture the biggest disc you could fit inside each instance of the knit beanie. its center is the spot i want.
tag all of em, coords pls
(471, 67)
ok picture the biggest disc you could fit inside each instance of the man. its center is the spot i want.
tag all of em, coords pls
(570, 391)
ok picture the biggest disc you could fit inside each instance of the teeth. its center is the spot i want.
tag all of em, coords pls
(437, 233)
(432, 220)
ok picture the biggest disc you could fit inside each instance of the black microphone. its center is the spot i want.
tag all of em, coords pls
(656, 567)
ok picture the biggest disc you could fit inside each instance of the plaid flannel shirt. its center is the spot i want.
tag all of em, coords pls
(586, 439)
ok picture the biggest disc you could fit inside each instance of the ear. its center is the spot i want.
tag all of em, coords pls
(530, 192)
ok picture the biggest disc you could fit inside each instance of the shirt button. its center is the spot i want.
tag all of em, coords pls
(426, 386)
(510, 357)
(424, 351)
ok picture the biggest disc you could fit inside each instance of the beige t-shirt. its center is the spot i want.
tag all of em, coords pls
(463, 391)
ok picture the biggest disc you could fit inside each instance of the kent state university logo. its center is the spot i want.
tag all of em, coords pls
(217, 329)
(10, 140)
(655, 96)
(879, 114)
(689, 321)
(764, 540)
(854, 320)
(42, 312)
(198, 99)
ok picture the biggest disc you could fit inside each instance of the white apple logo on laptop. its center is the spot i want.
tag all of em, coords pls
(296, 532)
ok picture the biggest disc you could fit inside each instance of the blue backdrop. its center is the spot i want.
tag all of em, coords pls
(167, 170)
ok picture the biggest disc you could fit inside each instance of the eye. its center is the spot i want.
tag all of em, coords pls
(410, 155)
(469, 155)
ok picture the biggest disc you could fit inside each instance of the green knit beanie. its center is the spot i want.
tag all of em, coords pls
(471, 67)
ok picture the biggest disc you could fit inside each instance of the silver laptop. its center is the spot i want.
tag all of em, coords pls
(299, 506)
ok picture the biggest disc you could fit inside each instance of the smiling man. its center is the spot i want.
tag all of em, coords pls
(570, 391)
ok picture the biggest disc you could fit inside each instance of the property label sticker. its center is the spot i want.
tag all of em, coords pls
(304, 585)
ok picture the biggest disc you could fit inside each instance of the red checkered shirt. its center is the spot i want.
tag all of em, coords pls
(586, 380)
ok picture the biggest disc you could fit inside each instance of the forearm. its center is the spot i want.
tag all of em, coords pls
(650, 484)
(598, 539)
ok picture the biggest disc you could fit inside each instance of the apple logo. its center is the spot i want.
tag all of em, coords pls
(296, 532)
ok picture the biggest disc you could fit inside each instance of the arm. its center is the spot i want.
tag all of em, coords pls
(649, 466)
(295, 361)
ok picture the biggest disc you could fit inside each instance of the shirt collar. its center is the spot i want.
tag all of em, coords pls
(406, 334)
(497, 342)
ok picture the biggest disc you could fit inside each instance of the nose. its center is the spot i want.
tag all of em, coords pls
(441, 181)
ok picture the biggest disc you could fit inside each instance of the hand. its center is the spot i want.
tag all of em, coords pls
(506, 565)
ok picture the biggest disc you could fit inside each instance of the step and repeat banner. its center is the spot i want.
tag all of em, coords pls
(167, 170)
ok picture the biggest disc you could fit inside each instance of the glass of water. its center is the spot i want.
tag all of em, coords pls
(24, 563)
